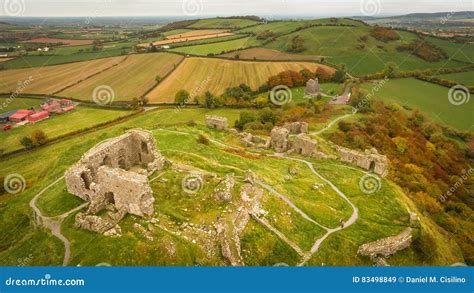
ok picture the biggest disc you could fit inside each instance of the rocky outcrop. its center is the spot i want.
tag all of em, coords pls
(223, 192)
(296, 127)
(279, 139)
(369, 160)
(230, 228)
(386, 246)
(216, 122)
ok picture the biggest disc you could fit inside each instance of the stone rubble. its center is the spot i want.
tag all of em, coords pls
(223, 192)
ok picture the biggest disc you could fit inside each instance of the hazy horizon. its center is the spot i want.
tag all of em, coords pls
(212, 8)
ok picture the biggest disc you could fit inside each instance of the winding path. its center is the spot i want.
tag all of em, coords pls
(54, 223)
(349, 222)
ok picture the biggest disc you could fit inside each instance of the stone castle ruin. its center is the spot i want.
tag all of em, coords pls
(216, 122)
(369, 160)
(313, 89)
(113, 175)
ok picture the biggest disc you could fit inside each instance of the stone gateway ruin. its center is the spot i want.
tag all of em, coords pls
(369, 160)
(113, 175)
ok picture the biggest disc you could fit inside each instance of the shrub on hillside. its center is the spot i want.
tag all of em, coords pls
(425, 50)
(289, 78)
(202, 139)
(297, 45)
(384, 34)
(38, 137)
(265, 35)
(182, 97)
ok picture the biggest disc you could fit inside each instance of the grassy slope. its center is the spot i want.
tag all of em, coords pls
(131, 79)
(223, 23)
(464, 78)
(55, 126)
(382, 214)
(49, 79)
(197, 75)
(430, 98)
(339, 44)
(217, 48)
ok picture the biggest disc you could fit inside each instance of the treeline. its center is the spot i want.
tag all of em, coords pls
(243, 96)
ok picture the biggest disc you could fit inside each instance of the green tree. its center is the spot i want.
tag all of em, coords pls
(182, 97)
(391, 70)
(26, 142)
(38, 137)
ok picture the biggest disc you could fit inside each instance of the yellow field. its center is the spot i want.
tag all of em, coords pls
(190, 36)
(198, 75)
(195, 33)
(130, 79)
(50, 79)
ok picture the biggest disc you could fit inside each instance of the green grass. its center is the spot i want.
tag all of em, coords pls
(461, 52)
(429, 98)
(464, 78)
(224, 23)
(9, 104)
(381, 214)
(217, 48)
(70, 54)
(58, 125)
(339, 45)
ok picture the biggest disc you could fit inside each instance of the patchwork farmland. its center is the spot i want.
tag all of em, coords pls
(198, 75)
(130, 79)
(51, 79)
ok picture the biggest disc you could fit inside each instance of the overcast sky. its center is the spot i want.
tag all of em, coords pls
(196, 8)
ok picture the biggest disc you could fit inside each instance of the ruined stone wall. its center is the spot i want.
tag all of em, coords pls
(387, 246)
(216, 122)
(370, 159)
(128, 191)
(304, 145)
(297, 127)
(279, 139)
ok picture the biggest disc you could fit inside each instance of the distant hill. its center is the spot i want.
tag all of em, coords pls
(422, 16)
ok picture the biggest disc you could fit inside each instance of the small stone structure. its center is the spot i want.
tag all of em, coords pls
(297, 127)
(313, 89)
(386, 246)
(216, 122)
(279, 139)
(250, 140)
(368, 160)
(114, 175)
(304, 145)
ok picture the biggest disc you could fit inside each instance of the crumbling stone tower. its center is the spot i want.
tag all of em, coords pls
(115, 172)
